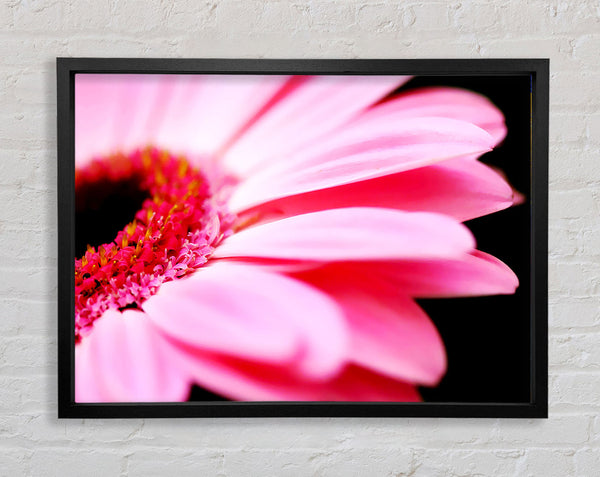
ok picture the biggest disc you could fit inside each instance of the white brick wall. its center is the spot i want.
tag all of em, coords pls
(34, 442)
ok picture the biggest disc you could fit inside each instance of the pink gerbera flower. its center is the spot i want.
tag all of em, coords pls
(284, 228)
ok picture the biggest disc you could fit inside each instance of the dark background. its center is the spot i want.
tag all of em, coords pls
(488, 338)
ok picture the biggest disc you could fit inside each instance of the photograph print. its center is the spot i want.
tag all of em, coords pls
(301, 238)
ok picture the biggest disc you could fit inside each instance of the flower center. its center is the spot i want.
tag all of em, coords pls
(177, 223)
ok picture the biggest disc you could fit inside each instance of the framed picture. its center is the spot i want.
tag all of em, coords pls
(302, 237)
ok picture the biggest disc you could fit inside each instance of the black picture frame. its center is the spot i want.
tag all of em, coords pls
(538, 72)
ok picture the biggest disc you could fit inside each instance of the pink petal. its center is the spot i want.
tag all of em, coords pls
(250, 381)
(254, 314)
(390, 334)
(474, 274)
(125, 359)
(209, 111)
(355, 233)
(319, 105)
(117, 113)
(191, 114)
(461, 188)
(443, 102)
(470, 274)
(373, 150)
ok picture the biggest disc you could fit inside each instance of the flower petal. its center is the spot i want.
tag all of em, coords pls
(470, 274)
(442, 102)
(125, 359)
(354, 233)
(317, 106)
(254, 314)
(208, 111)
(192, 114)
(250, 381)
(461, 188)
(474, 274)
(389, 333)
(104, 105)
(372, 150)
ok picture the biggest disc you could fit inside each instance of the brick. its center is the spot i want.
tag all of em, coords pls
(577, 279)
(7, 15)
(15, 462)
(137, 16)
(16, 169)
(557, 48)
(587, 461)
(267, 18)
(571, 390)
(34, 86)
(558, 431)
(379, 17)
(368, 461)
(162, 461)
(27, 247)
(28, 51)
(482, 14)
(88, 15)
(223, 434)
(576, 166)
(575, 350)
(24, 395)
(572, 313)
(127, 47)
(562, 90)
(595, 431)
(177, 15)
(27, 316)
(552, 17)
(431, 16)
(565, 241)
(28, 283)
(26, 207)
(467, 462)
(23, 355)
(585, 49)
(318, 462)
(106, 432)
(333, 16)
(44, 15)
(568, 127)
(573, 204)
(548, 462)
(62, 462)
(23, 126)
(591, 241)
(593, 128)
